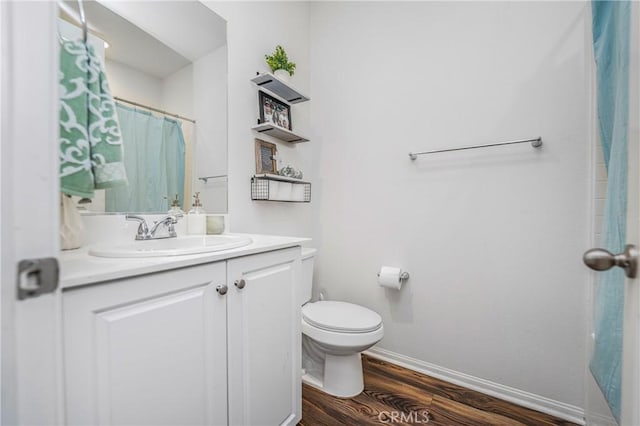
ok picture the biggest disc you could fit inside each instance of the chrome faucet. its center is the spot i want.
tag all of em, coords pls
(144, 233)
(168, 222)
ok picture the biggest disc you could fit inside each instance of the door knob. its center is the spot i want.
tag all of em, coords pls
(601, 260)
(240, 284)
(221, 289)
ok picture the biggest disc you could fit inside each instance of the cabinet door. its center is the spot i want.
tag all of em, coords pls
(149, 350)
(264, 339)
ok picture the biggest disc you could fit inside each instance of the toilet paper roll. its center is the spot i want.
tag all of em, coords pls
(389, 276)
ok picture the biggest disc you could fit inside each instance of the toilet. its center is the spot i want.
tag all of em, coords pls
(333, 336)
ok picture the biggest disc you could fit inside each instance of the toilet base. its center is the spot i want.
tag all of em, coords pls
(342, 376)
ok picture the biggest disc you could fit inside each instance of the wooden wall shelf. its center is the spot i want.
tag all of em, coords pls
(279, 88)
(279, 133)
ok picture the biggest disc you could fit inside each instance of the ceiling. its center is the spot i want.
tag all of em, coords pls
(157, 38)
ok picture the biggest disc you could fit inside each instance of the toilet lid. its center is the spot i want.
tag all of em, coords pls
(341, 317)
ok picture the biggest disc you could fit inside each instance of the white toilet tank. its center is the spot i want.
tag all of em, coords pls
(307, 274)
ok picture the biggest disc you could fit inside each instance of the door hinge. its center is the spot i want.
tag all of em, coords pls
(37, 276)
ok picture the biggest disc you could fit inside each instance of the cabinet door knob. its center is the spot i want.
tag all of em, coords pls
(240, 284)
(222, 289)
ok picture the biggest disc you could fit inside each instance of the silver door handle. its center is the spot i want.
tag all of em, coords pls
(37, 276)
(240, 284)
(222, 289)
(601, 260)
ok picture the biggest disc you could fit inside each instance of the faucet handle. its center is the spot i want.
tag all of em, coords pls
(175, 217)
(143, 229)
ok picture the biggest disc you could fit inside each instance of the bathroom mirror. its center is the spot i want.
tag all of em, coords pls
(166, 63)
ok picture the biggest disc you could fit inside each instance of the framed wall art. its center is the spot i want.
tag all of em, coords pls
(265, 157)
(274, 111)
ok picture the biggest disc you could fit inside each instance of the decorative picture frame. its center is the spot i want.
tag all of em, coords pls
(266, 157)
(274, 111)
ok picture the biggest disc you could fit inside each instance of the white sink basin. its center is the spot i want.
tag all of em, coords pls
(179, 246)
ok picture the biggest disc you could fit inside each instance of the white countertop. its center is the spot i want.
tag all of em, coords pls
(78, 268)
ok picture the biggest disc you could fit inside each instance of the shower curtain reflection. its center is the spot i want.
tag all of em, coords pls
(154, 160)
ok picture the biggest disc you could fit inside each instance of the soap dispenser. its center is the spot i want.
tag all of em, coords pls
(196, 218)
(175, 209)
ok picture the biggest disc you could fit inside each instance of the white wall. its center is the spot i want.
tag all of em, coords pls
(178, 98)
(174, 93)
(210, 103)
(177, 92)
(492, 238)
(253, 30)
(133, 85)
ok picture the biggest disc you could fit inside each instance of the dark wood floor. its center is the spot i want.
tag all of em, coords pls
(398, 396)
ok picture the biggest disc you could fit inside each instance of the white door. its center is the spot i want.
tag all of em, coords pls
(264, 339)
(631, 352)
(147, 350)
(630, 401)
(29, 209)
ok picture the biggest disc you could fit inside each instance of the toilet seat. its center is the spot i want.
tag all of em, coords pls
(341, 317)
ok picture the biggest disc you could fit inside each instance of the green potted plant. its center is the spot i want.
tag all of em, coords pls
(279, 64)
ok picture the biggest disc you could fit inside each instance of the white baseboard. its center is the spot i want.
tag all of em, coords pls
(600, 420)
(515, 396)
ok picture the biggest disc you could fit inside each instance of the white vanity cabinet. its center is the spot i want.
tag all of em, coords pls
(168, 348)
(264, 339)
(147, 350)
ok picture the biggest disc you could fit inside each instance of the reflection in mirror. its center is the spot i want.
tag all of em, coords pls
(166, 63)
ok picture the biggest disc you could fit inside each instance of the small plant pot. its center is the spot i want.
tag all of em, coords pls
(282, 75)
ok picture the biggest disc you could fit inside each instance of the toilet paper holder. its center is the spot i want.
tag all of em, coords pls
(404, 276)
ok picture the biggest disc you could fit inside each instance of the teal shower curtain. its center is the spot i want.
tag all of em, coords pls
(154, 160)
(611, 29)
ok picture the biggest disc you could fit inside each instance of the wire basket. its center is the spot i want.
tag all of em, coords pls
(288, 190)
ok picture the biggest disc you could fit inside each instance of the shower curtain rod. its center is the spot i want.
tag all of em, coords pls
(154, 109)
